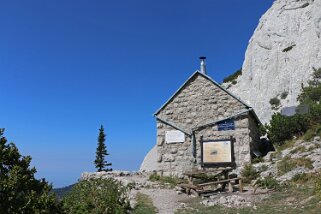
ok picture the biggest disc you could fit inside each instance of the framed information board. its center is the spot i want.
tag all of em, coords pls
(217, 152)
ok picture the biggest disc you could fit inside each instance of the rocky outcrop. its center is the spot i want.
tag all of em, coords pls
(304, 157)
(281, 55)
(149, 163)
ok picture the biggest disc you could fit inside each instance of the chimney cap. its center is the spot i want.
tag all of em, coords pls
(203, 66)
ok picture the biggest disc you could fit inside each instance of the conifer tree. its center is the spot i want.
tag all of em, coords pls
(101, 152)
(20, 191)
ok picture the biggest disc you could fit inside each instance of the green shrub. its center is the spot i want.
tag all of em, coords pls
(275, 102)
(287, 164)
(288, 48)
(154, 177)
(315, 114)
(233, 76)
(269, 183)
(257, 160)
(97, 196)
(20, 190)
(249, 173)
(263, 129)
(284, 95)
(312, 92)
(282, 128)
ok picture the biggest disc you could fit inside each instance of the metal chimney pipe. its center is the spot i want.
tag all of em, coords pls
(203, 65)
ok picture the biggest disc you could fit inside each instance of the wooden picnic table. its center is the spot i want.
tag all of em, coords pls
(201, 182)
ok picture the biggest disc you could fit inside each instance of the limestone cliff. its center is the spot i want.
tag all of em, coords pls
(280, 56)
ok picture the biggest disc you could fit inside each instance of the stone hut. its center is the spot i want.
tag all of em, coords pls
(201, 116)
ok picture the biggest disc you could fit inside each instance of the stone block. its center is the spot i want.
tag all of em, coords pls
(159, 158)
(173, 150)
(168, 158)
(180, 153)
(160, 141)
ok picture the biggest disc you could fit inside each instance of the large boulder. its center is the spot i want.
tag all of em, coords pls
(149, 163)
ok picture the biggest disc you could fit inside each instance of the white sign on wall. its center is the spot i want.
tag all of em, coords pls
(174, 137)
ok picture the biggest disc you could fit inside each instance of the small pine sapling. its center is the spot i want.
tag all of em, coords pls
(100, 163)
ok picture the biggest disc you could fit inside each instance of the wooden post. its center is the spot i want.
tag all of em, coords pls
(194, 192)
(190, 179)
(241, 185)
(230, 187)
(188, 191)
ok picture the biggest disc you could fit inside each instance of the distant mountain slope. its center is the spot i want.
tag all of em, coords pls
(280, 56)
(61, 192)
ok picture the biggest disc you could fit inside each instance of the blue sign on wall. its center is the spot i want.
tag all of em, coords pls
(226, 125)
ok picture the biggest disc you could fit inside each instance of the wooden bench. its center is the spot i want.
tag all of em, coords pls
(197, 186)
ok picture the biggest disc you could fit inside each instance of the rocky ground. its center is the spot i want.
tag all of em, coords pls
(299, 157)
(168, 200)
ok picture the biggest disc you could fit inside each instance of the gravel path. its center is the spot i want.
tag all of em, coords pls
(167, 201)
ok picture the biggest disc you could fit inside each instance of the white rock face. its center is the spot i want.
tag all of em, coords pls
(281, 55)
(149, 163)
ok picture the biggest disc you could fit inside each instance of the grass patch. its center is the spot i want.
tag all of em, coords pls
(287, 164)
(257, 160)
(299, 149)
(144, 205)
(316, 146)
(276, 155)
(318, 188)
(166, 180)
(301, 178)
(308, 135)
(286, 145)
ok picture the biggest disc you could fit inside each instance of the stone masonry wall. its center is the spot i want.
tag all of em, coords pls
(175, 159)
(199, 103)
(240, 134)
(254, 133)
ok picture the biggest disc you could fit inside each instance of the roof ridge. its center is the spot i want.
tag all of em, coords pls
(211, 80)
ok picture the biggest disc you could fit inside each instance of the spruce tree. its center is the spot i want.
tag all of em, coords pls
(101, 152)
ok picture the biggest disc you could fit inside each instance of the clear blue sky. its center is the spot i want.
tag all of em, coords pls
(66, 67)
